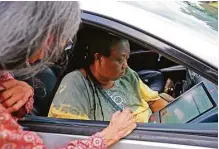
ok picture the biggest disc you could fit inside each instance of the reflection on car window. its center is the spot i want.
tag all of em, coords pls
(203, 11)
(200, 17)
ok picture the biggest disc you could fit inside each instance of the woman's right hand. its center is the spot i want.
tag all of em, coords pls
(121, 125)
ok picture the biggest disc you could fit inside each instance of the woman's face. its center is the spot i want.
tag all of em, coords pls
(114, 66)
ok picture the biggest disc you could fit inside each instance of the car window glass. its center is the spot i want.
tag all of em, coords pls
(175, 81)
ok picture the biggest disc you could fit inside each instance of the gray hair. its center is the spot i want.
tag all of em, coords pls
(25, 25)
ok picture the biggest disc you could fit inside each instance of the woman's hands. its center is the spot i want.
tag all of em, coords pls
(121, 125)
(15, 94)
(157, 105)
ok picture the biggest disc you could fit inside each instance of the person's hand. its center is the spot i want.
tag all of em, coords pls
(121, 125)
(157, 105)
(166, 97)
(14, 94)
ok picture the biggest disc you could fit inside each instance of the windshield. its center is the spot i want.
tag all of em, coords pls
(201, 17)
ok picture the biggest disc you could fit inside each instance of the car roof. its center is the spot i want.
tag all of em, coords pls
(197, 38)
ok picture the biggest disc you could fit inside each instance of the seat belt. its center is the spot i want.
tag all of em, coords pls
(104, 93)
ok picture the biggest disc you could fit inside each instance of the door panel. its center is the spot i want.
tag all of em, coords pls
(53, 140)
(200, 135)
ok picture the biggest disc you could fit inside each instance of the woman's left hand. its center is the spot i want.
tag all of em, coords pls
(14, 94)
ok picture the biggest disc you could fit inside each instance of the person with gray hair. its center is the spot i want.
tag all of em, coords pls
(33, 28)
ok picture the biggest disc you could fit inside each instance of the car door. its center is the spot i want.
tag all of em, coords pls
(57, 132)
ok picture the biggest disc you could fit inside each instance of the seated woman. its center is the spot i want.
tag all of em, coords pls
(104, 85)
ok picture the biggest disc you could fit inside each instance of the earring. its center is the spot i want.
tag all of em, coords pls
(99, 58)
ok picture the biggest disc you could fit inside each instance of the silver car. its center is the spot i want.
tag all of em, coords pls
(169, 40)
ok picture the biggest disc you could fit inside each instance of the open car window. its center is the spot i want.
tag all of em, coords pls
(161, 74)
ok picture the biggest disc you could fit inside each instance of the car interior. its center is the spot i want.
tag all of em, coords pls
(152, 68)
(156, 71)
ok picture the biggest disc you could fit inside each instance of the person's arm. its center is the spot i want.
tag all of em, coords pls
(153, 99)
(96, 141)
(121, 125)
(12, 135)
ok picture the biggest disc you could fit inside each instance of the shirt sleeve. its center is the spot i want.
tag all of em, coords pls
(96, 141)
(146, 93)
(60, 113)
(12, 136)
(71, 100)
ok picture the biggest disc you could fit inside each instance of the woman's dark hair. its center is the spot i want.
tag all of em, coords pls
(24, 27)
(100, 42)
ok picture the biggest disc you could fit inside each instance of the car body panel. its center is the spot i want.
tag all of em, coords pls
(202, 135)
(59, 140)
